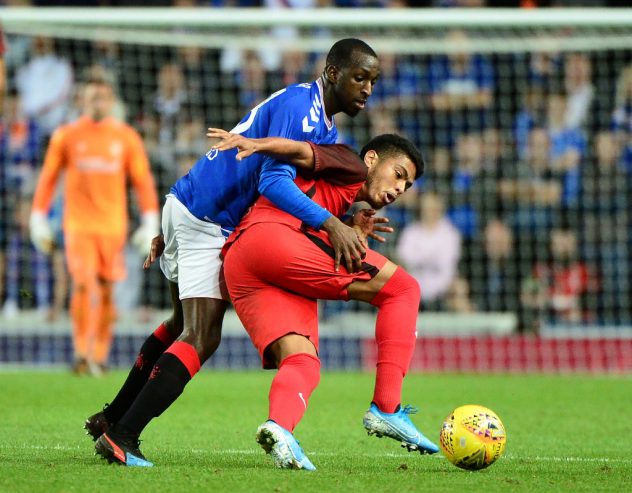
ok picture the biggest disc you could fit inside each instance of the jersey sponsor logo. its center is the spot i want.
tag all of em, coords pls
(116, 149)
(98, 164)
(212, 154)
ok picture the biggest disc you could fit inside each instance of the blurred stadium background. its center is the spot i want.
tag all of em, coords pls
(519, 233)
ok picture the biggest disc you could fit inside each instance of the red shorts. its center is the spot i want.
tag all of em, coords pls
(275, 273)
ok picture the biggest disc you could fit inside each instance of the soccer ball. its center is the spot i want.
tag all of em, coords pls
(472, 437)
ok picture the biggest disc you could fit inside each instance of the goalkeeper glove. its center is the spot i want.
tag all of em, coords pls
(41, 234)
(149, 227)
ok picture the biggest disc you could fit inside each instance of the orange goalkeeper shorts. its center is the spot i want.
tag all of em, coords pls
(91, 256)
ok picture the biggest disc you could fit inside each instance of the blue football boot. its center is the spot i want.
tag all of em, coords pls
(399, 427)
(283, 447)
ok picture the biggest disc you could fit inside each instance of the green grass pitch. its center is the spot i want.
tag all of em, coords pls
(565, 433)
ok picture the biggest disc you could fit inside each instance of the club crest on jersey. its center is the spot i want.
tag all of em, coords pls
(116, 149)
(212, 154)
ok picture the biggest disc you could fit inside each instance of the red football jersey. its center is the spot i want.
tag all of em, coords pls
(338, 176)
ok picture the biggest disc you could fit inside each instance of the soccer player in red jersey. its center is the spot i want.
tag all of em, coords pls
(275, 264)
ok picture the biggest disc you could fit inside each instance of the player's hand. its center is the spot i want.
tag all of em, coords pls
(41, 233)
(366, 224)
(155, 251)
(346, 243)
(245, 146)
(143, 236)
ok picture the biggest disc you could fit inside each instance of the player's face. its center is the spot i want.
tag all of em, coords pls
(98, 100)
(388, 179)
(354, 84)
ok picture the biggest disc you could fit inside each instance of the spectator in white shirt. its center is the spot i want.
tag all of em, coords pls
(430, 250)
(45, 85)
(579, 89)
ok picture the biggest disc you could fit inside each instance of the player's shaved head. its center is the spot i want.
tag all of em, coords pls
(346, 52)
(390, 145)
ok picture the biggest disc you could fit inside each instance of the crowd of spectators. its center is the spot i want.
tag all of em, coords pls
(524, 206)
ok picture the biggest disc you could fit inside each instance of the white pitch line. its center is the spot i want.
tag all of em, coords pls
(536, 458)
(570, 459)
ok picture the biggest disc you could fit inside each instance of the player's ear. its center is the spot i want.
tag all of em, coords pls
(370, 158)
(331, 74)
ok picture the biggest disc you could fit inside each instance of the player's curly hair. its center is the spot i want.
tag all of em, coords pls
(392, 144)
(343, 53)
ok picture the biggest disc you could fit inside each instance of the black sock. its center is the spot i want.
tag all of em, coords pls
(148, 355)
(166, 382)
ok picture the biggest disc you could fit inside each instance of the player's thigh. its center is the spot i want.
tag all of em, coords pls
(192, 254)
(110, 257)
(81, 257)
(289, 345)
(295, 261)
(269, 313)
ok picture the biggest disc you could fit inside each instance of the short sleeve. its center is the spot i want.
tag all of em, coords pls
(338, 164)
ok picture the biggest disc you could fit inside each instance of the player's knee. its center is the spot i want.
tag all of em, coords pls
(411, 287)
(80, 287)
(211, 342)
(205, 340)
(401, 285)
(174, 325)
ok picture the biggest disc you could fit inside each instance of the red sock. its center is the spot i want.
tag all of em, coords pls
(395, 335)
(295, 381)
(163, 335)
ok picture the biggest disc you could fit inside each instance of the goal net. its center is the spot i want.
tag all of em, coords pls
(521, 223)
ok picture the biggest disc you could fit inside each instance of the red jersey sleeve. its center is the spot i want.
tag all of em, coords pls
(338, 164)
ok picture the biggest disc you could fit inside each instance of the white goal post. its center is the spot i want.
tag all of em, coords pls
(408, 31)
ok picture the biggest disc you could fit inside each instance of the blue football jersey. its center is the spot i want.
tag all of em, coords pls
(220, 189)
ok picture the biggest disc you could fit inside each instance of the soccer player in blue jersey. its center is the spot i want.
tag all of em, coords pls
(202, 209)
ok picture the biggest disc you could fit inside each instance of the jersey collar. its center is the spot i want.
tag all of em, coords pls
(328, 122)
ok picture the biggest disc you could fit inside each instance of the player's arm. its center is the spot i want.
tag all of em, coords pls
(339, 162)
(54, 161)
(292, 151)
(276, 183)
(143, 182)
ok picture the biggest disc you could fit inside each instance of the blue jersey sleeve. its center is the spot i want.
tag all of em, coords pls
(276, 181)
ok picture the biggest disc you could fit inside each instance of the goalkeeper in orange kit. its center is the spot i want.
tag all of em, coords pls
(97, 154)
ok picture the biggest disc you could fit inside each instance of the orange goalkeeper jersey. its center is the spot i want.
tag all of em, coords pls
(97, 158)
